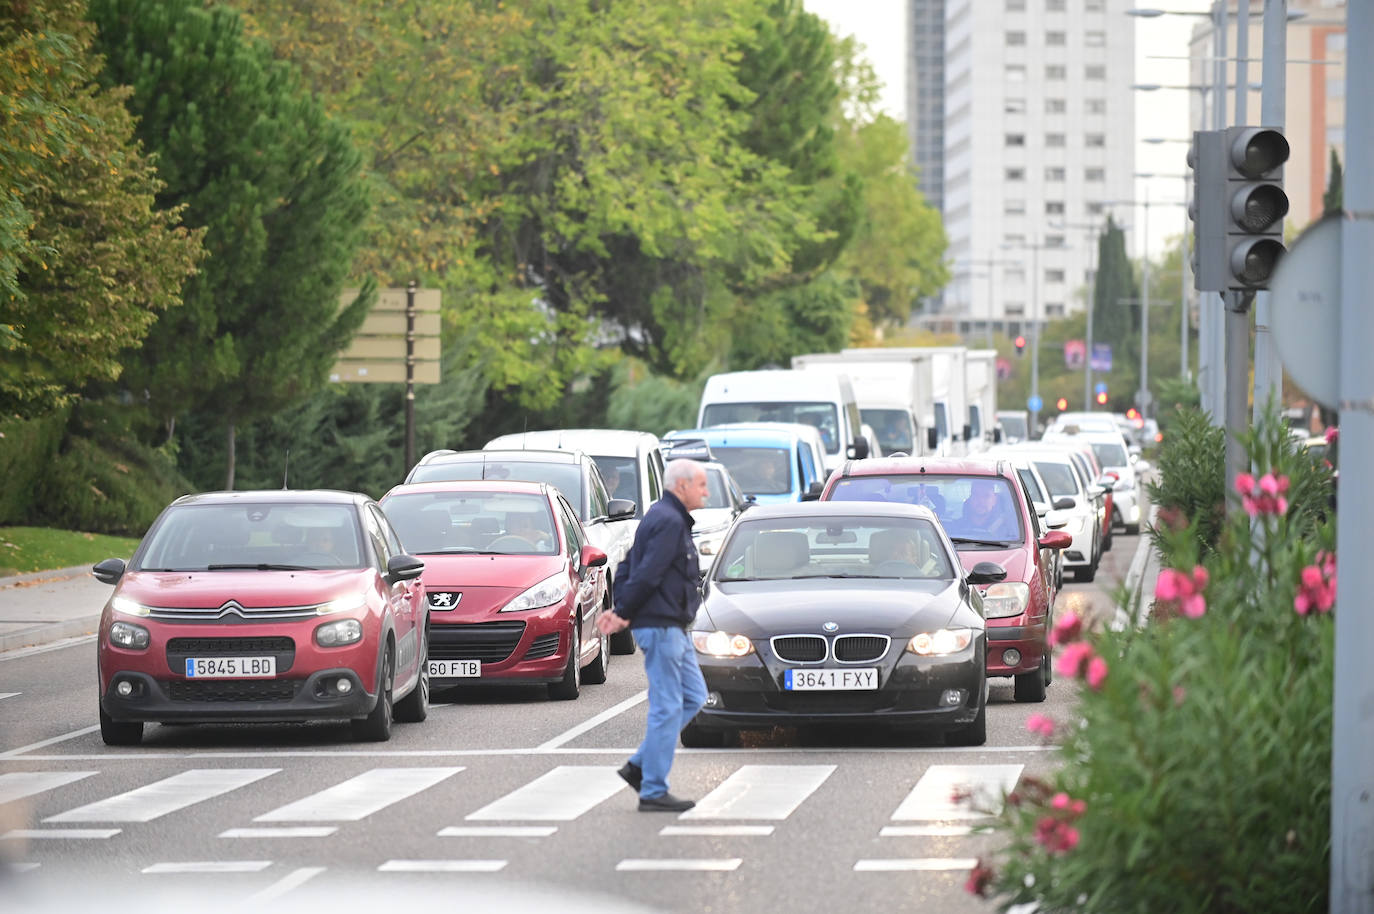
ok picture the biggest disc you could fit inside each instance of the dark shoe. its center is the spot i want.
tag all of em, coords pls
(665, 802)
(631, 774)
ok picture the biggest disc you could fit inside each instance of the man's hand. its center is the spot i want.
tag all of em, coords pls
(610, 623)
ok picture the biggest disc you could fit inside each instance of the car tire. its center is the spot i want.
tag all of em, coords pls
(1030, 686)
(120, 732)
(1086, 573)
(570, 686)
(694, 737)
(623, 642)
(975, 734)
(1133, 529)
(415, 706)
(594, 673)
(376, 727)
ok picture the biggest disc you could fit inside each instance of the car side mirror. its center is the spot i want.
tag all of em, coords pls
(1056, 539)
(932, 440)
(620, 509)
(986, 573)
(813, 492)
(859, 449)
(997, 436)
(1064, 503)
(968, 433)
(1142, 466)
(1042, 510)
(403, 568)
(1106, 482)
(592, 557)
(109, 571)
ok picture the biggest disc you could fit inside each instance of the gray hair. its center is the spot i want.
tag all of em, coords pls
(679, 470)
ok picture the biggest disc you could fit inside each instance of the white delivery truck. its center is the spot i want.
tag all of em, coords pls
(894, 397)
(981, 372)
(825, 401)
(947, 389)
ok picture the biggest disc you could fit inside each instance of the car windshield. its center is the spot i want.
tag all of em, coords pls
(238, 536)
(834, 547)
(622, 481)
(495, 523)
(1059, 477)
(565, 477)
(1110, 455)
(892, 427)
(978, 508)
(822, 415)
(758, 470)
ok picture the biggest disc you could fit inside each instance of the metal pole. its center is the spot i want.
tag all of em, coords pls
(1035, 332)
(1352, 724)
(1238, 303)
(1144, 395)
(410, 374)
(988, 334)
(1184, 255)
(1092, 291)
(1216, 314)
(1268, 375)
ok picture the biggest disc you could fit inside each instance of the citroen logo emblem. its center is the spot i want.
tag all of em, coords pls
(231, 606)
(831, 627)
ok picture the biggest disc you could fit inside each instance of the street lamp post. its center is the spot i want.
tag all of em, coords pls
(1034, 247)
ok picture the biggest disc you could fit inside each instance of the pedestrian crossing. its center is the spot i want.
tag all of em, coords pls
(751, 802)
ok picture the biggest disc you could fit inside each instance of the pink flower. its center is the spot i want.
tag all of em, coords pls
(1066, 628)
(1097, 671)
(979, 880)
(1316, 586)
(1068, 837)
(1268, 484)
(1060, 800)
(1169, 585)
(1040, 724)
(1055, 836)
(1079, 807)
(1194, 606)
(1179, 694)
(1245, 483)
(1072, 659)
(1200, 577)
(1332, 434)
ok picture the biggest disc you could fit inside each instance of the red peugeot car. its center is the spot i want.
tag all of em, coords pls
(984, 509)
(514, 587)
(264, 606)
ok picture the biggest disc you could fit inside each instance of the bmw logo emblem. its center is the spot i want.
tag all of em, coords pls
(831, 626)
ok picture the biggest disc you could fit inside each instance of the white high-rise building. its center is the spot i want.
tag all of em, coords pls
(1039, 140)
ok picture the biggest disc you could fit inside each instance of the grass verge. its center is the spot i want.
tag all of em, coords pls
(25, 549)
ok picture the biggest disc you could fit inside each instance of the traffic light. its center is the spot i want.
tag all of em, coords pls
(1101, 398)
(1020, 345)
(1062, 403)
(1238, 206)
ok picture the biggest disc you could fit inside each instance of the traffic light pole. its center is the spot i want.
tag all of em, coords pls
(1268, 374)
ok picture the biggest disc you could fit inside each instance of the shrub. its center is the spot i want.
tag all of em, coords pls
(27, 449)
(1200, 777)
(1192, 475)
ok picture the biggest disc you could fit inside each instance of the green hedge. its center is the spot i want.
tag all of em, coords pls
(27, 448)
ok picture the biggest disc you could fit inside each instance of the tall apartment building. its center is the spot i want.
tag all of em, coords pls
(925, 92)
(1039, 146)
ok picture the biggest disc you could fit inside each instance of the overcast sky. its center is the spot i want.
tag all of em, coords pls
(880, 25)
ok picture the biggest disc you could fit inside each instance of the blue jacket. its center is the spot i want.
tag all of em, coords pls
(660, 589)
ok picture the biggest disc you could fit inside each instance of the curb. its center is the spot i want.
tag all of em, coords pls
(48, 632)
(54, 574)
(1140, 583)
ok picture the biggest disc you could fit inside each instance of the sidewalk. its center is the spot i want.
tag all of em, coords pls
(48, 606)
(1140, 581)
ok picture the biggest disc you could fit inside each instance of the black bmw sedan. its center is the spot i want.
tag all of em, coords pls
(845, 613)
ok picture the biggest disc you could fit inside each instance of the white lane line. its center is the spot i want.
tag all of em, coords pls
(28, 834)
(497, 831)
(288, 882)
(10, 694)
(442, 866)
(22, 652)
(11, 753)
(718, 831)
(15, 785)
(162, 797)
(209, 866)
(360, 796)
(560, 795)
(25, 867)
(299, 831)
(924, 831)
(718, 865)
(761, 792)
(922, 864)
(932, 797)
(569, 735)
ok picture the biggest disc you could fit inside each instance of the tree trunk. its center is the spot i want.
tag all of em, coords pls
(229, 473)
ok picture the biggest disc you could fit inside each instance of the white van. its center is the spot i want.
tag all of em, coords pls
(822, 400)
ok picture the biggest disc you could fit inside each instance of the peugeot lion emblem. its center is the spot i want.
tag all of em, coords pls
(444, 600)
(831, 627)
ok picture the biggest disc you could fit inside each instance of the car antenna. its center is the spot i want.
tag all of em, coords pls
(524, 433)
(286, 467)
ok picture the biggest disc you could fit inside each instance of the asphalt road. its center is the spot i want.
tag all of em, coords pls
(501, 799)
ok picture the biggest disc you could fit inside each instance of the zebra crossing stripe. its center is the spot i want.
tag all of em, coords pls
(559, 795)
(74, 834)
(932, 797)
(165, 796)
(15, 785)
(924, 831)
(292, 880)
(761, 792)
(717, 831)
(300, 831)
(209, 866)
(8, 694)
(641, 865)
(922, 864)
(359, 797)
(442, 866)
(497, 831)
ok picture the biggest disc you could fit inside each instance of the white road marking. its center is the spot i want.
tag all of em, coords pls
(48, 742)
(45, 648)
(10, 694)
(571, 734)
(761, 792)
(288, 882)
(924, 831)
(26, 867)
(442, 866)
(165, 796)
(719, 831)
(360, 796)
(28, 834)
(923, 864)
(931, 798)
(561, 795)
(299, 831)
(721, 865)
(210, 866)
(497, 831)
(17, 784)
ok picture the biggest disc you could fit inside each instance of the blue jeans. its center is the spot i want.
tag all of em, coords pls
(676, 693)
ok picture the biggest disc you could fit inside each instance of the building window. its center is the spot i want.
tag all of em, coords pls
(1054, 207)
(1054, 241)
(1054, 140)
(1014, 275)
(1054, 173)
(1016, 39)
(1095, 140)
(1016, 139)
(1093, 6)
(1095, 105)
(1095, 39)
(1335, 136)
(1016, 6)
(1055, 106)
(1335, 41)
(1054, 309)
(1094, 174)
(1093, 209)
(1014, 106)
(1335, 86)
(1055, 39)
(1015, 174)
(1054, 6)
(1054, 276)
(1016, 72)
(1095, 71)
(1013, 207)
(1056, 71)
(1014, 239)
(1014, 309)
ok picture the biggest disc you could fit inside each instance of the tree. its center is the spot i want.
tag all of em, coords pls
(1115, 316)
(275, 183)
(1333, 199)
(89, 257)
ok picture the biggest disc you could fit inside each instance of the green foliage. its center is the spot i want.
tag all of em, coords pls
(1115, 319)
(1203, 761)
(27, 448)
(26, 549)
(1191, 478)
(651, 403)
(1334, 197)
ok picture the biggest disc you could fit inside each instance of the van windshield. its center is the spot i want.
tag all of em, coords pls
(758, 470)
(892, 428)
(824, 416)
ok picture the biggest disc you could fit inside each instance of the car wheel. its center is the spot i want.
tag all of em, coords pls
(1086, 573)
(376, 727)
(570, 686)
(595, 672)
(1030, 686)
(415, 707)
(1133, 529)
(694, 737)
(120, 732)
(975, 734)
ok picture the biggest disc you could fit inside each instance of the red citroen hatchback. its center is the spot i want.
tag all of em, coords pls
(984, 509)
(514, 587)
(264, 606)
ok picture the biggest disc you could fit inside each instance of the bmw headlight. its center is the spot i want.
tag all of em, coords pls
(347, 604)
(129, 607)
(337, 634)
(722, 644)
(129, 636)
(551, 590)
(1007, 598)
(942, 641)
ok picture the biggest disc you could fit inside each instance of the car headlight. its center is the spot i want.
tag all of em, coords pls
(547, 592)
(130, 636)
(1007, 598)
(722, 644)
(346, 604)
(943, 641)
(337, 634)
(129, 607)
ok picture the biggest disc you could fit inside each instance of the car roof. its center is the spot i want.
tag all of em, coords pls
(276, 496)
(471, 485)
(741, 435)
(610, 442)
(802, 509)
(941, 466)
(514, 456)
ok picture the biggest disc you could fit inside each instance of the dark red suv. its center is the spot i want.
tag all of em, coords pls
(984, 509)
